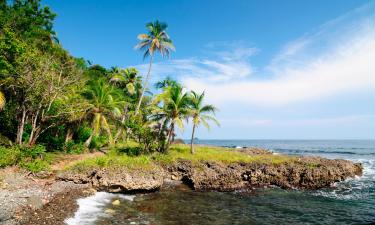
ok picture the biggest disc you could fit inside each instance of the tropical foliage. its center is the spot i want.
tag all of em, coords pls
(52, 99)
(200, 114)
(156, 40)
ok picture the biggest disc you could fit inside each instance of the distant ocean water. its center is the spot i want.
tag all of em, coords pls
(348, 202)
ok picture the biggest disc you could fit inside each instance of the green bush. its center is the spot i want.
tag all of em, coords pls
(130, 150)
(98, 142)
(83, 134)
(74, 148)
(36, 166)
(37, 151)
(9, 156)
(53, 142)
(34, 158)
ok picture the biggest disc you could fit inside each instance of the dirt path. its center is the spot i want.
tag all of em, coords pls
(63, 161)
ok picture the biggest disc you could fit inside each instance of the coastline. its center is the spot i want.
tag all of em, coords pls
(55, 197)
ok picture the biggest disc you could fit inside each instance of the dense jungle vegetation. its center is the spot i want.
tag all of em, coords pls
(51, 101)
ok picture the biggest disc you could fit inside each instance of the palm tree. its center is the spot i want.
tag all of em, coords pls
(2, 100)
(105, 103)
(167, 82)
(128, 78)
(156, 40)
(200, 114)
(174, 110)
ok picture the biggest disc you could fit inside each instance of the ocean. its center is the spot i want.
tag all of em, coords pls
(348, 202)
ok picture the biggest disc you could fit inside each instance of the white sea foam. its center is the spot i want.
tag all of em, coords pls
(353, 188)
(93, 207)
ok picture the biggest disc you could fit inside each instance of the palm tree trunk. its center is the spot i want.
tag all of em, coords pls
(145, 85)
(192, 140)
(21, 125)
(170, 136)
(69, 135)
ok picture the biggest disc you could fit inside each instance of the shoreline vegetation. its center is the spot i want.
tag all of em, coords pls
(210, 168)
(69, 127)
(53, 103)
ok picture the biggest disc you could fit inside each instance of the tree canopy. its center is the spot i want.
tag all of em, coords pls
(52, 99)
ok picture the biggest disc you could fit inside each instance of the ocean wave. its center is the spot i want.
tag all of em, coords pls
(92, 208)
(359, 187)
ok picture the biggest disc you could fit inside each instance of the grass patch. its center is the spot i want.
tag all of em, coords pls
(142, 162)
(36, 166)
(119, 158)
(218, 154)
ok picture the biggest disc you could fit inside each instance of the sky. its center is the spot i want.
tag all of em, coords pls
(275, 69)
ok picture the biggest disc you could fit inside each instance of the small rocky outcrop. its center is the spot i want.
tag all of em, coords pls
(117, 180)
(303, 173)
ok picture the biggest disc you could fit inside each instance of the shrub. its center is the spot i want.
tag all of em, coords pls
(131, 149)
(83, 134)
(74, 148)
(98, 142)
(9, 156)
(34, 152)
(33, 158)
(36, 166)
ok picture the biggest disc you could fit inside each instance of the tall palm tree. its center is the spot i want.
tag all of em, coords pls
(174, 110)
(105, 103)
(200, 113)
(2, 100)
(156, 40)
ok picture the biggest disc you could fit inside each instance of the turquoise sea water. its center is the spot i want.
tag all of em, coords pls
(348, 202)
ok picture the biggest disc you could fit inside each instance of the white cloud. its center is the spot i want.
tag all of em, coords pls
(227, 65)
(349, 67)
(337, 58)
(314, 121)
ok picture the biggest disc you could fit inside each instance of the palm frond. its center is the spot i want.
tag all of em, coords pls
(208, 109)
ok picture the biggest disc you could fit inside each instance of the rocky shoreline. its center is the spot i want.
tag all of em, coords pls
(303, 173)
(25, 199)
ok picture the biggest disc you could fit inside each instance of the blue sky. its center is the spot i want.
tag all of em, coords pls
(276, 69)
